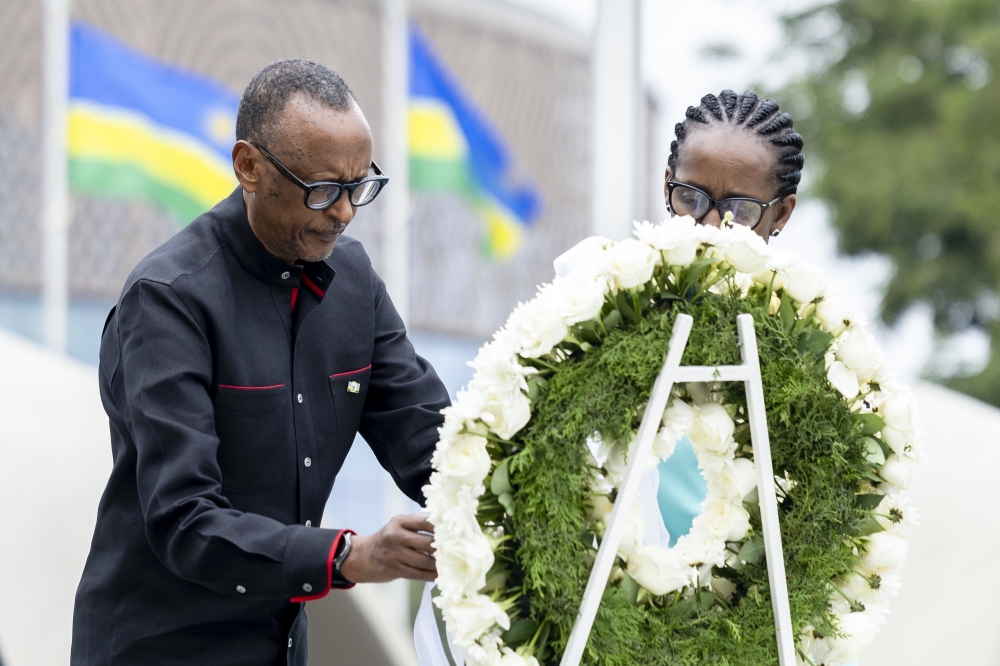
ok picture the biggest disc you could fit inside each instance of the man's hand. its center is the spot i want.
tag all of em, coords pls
(398, 550)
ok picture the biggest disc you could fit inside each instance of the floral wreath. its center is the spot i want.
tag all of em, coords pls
(533, 449)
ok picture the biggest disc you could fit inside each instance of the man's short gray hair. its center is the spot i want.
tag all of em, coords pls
(270, 89)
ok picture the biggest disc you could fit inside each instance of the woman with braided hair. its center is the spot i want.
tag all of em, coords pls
(735, 154)
(731, 154)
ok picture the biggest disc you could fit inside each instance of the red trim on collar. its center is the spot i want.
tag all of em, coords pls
(295, 295)
(329, 572)
(352, 372)
(312, 287)
(250, 388)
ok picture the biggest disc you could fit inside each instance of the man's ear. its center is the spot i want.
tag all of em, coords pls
(785, 209)
(245, 165)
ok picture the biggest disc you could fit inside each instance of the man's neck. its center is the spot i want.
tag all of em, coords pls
(263, 241)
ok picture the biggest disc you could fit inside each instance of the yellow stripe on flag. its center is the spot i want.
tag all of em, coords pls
(434, 132)
(114, 135)
(504, 232)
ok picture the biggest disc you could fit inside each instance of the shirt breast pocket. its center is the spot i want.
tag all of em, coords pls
(349, 390)
(256, 437)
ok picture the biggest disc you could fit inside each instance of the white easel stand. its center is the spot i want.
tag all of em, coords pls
(747, 372)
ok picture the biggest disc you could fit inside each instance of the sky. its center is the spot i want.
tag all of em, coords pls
(681, 43)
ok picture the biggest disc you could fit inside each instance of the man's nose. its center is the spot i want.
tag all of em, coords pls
(341, 210)
(712, 219)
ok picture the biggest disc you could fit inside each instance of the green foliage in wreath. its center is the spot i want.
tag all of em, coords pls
(539, 492)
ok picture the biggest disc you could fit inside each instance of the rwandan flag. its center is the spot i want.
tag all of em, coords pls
(454, 149)
(141, 129)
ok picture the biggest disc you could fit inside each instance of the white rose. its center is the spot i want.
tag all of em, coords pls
(832, 312)
(843, 379)
(681, 253)
(900, 411)
(774, 304)
(886, 552)
(658, 570)
(897, 471)
(463, 457)
(482, 655)
(506, 413)
(587, 256)
(729, 521)
(744, 476)
(713, 427)
(769, 278)
(677, 420)
(470, 618)
(744, 258)
(858, 629)
(803, 282)
(635, 529)
(859, 352)
(899, 441)
(600, 507)
(578, 297)
(632, 263)
(537, 327)
(676, 237)
(462, 565)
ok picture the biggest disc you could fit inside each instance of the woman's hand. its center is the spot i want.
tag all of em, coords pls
(398, 550)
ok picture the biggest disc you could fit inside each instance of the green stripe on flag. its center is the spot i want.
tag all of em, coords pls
(435, 175)
(126, 181)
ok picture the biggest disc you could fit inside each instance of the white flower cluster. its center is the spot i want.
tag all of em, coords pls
(730, 480)
(496, 404)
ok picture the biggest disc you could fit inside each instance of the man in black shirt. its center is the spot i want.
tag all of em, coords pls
(240, 361)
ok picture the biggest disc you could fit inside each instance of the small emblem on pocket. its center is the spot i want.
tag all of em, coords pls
(353, 387)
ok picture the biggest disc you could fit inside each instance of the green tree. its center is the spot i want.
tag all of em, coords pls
(901, 113)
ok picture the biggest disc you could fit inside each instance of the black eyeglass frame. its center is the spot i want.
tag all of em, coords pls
(308, 188)
(764, 205)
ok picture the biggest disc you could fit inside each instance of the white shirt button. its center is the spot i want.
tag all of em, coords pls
(285, 275)
(289, 642)
(241, 589)
(309, 523)
(307, 587)
(308, 462)
(299, 397)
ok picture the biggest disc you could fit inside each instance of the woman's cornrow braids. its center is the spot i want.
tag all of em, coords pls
(762, 117)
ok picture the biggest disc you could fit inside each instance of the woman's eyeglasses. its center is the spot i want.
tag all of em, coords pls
(688, 200)
(324, 194)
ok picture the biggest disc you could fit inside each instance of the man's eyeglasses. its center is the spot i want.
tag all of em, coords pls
(688, 200)
(324, 194)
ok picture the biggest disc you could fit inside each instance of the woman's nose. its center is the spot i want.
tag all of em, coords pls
(712, 219)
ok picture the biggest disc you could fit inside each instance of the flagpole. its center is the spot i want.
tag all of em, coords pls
(616, 133)
(55, 186)
(394, 152)
(393, 155)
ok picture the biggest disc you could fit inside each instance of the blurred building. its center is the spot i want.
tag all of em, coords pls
(531, 77)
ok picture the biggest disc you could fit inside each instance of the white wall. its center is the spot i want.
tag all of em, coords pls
(55, 457)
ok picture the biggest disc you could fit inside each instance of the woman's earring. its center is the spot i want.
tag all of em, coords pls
(775, 232)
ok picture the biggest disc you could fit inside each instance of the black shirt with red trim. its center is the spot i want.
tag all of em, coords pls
(235, 385)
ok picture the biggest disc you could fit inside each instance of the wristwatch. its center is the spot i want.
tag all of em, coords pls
(343, 550)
